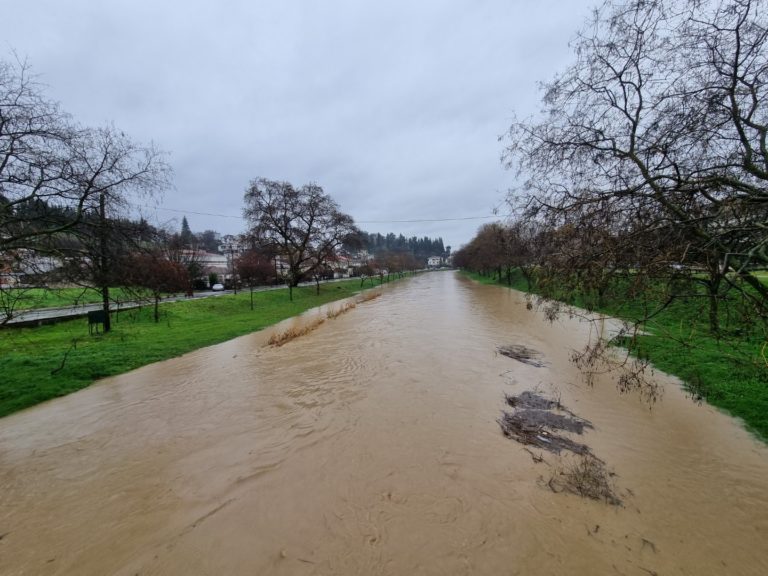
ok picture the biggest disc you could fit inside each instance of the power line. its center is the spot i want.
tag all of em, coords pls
(192, 212)
(424, 220)
(413, 221)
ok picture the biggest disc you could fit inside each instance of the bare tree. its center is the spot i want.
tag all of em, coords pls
(303, 226)
(187, 255)
(151, 270)
(487, 252)
(117, 171)
(39, 193)
(60, 184)
(52, 171)
(659, 127)
(255, 269)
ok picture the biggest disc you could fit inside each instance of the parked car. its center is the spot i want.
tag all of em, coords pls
(217, 287)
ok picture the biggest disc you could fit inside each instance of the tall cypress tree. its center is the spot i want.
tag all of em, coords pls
(186, 232)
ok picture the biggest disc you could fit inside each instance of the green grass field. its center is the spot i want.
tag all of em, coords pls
(730, 372)
(32, 357)
(33, 298)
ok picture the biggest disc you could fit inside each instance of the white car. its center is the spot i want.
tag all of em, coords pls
(217, 287)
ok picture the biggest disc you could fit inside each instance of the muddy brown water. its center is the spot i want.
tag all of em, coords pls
(370, 446)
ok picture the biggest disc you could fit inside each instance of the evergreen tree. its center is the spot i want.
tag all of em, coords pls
(186, 233)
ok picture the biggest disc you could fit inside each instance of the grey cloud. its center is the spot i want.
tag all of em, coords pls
(393, 107)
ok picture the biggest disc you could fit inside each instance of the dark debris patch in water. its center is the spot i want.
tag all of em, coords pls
(531, 400)
(522, 354)
(535, 428)
(538, 421)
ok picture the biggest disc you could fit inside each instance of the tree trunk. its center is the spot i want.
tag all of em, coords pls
(157, 308)
(714, 319)
(713, 291)
(105, 308)
(527, 276)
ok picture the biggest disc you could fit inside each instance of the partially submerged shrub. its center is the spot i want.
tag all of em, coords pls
(584, 476)
(336, 312)
(292, 333)
(366, 296)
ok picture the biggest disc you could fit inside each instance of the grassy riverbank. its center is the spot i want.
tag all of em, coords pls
(35, 298)
(49, 361)
(729, 371)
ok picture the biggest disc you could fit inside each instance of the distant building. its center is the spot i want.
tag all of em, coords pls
(340, 265)
(24, 268)
(214, 264)
(231, 245)
(434, 261)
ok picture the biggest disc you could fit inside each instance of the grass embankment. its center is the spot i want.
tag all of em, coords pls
(729, 371)
(49, 361)
(34, 298)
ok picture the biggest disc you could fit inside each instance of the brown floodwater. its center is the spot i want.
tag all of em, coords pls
(370, 446)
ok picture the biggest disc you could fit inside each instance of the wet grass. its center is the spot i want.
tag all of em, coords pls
(729, 371)
(34, 298)
(49, 361)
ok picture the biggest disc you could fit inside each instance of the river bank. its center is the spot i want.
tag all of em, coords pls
(40, 363)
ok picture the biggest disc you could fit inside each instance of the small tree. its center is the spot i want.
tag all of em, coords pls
(255, 269)
(186, 255)
(152, 271)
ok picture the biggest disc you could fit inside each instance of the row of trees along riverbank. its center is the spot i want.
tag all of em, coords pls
(666, 327)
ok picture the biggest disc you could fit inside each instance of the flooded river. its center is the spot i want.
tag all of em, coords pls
(370, 446)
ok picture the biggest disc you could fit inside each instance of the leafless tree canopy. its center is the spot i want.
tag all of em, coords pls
(304, 226)
(65, 190)
(651, 150)
(52, 170)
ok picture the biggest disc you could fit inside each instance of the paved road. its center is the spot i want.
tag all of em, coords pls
(40, 316)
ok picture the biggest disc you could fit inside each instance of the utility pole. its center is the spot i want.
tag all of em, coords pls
(104, 261)
(230, 246)
(232, 266)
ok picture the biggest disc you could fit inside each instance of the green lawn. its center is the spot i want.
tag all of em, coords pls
(32, 298)
(32, 357)
(729, 372)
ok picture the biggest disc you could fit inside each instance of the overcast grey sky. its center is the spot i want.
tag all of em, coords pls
(394, 107)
